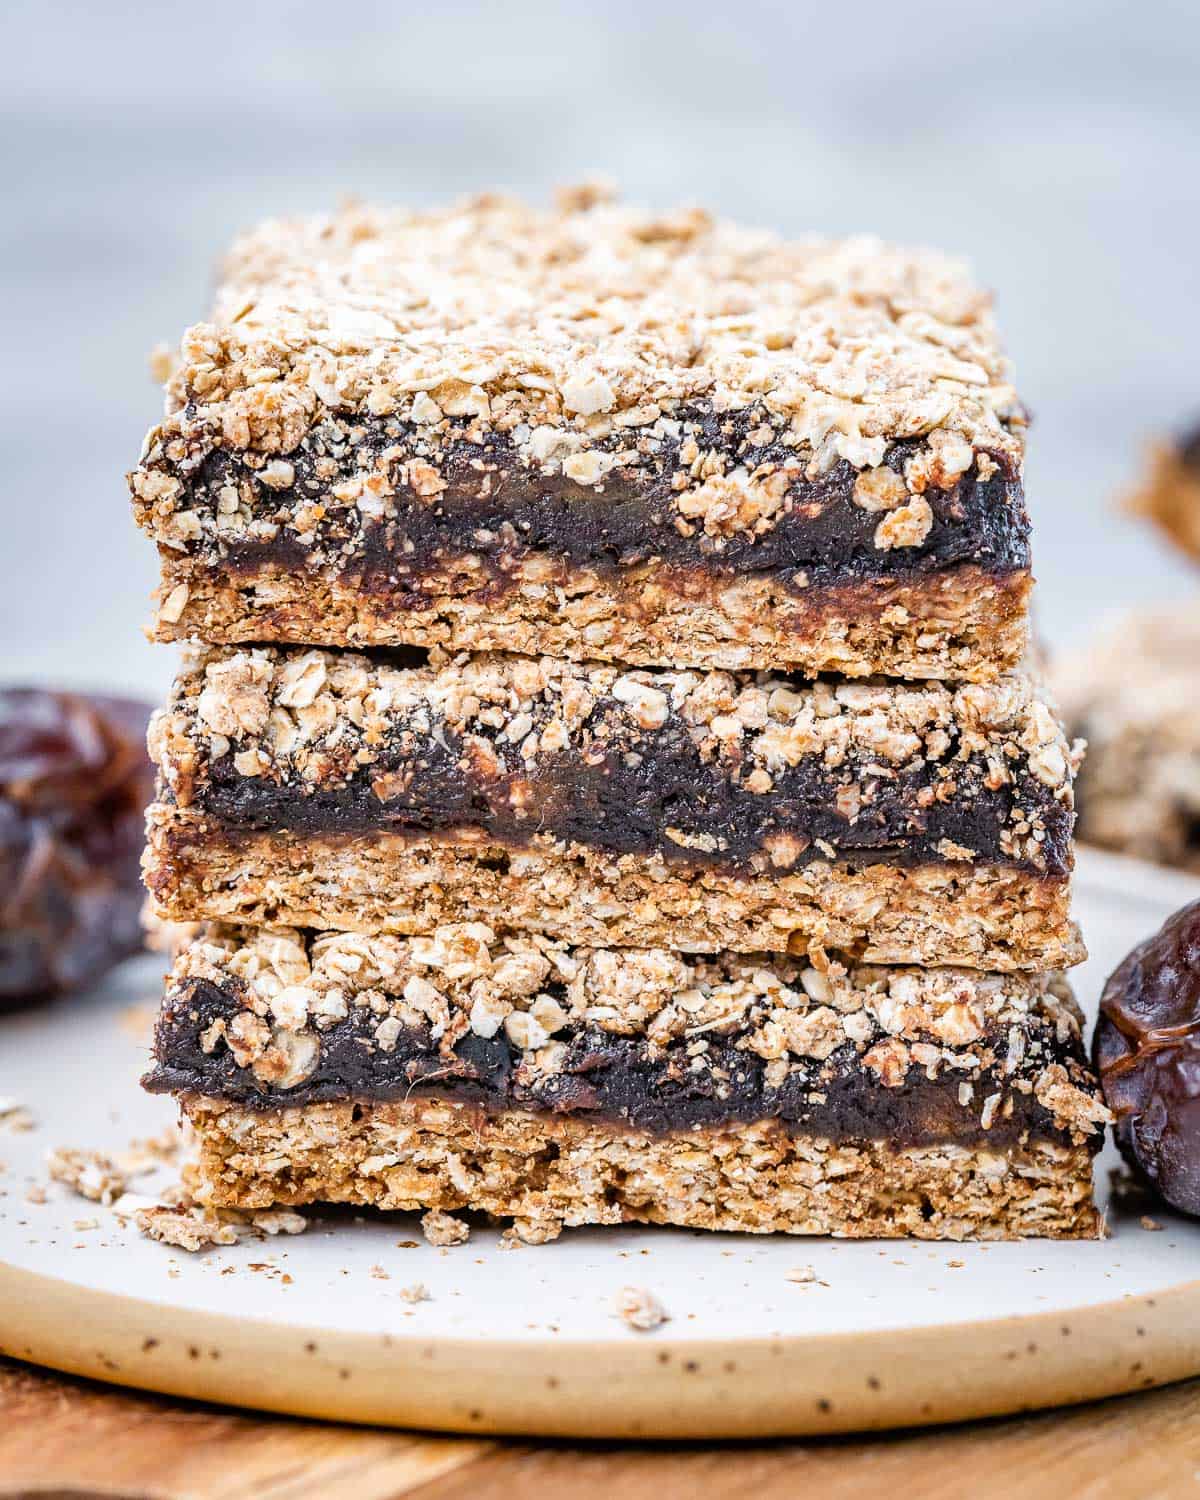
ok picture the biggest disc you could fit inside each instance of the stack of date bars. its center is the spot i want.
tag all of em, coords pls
(604, 770)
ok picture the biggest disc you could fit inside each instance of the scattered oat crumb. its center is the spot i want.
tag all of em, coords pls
(89, 1173)
(177, 1195)
(150, 1152)
(444, 1229)
(188, 1230)
(530, 1232)
(279, 1221)
(133, 1164)
(129, 1204)
(165, 1145)
(417, 1292)
(956, 1265)
(537, 1231)
(379, 1273)
(802, 1274)
(639, 1308)
(14, 1116)
(1149, 1223)
(79, 1225)
(163, 362)
(35, 1193)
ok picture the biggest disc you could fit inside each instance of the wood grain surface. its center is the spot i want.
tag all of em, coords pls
(72, 1438)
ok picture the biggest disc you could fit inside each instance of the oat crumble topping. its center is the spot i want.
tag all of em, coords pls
(293, 987)
(317, 720)
(355, 354)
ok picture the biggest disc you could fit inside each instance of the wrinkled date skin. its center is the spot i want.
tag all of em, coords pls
(1147, 1052)
(74, 783)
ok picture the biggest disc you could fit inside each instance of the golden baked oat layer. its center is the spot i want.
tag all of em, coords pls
(704, 810)
(555, 1084)
(540, 1174)
(597, 433)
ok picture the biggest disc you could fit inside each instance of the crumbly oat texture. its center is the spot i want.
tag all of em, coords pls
(576, 313)
(985, 917)
(1134, 693)
(968, 625)
(546, 1173)
(188, 1229)
(273, 1222)
(281, 1017)
(389, 402)
(749, 774)
(690, 779)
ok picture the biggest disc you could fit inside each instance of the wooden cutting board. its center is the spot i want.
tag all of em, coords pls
(60, 1437)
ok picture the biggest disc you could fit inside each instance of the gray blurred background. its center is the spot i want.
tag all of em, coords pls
(1055, 144)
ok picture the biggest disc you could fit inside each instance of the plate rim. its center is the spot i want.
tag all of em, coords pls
(791, 1385)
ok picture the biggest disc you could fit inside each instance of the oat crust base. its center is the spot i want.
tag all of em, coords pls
(980, 917)
(967, 625)
(545, 1173)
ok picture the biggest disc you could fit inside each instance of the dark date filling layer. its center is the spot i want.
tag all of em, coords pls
(497, 508)
(655, 794)
(620, 1079)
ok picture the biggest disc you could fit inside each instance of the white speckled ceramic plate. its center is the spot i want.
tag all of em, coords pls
(890, 1332)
